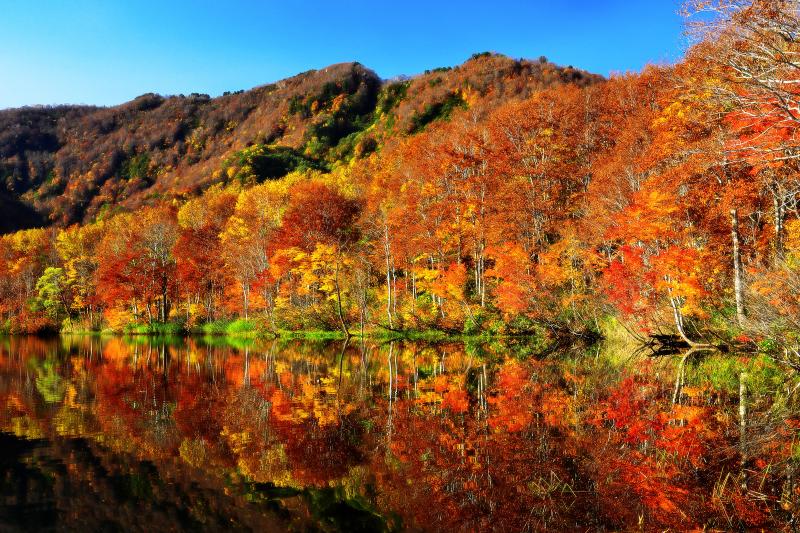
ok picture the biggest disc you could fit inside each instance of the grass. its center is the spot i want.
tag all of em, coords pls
(616, 336)
(159, 329)
(239, 327)
(76, 327)
(253, 329)
(88, 332)
(426, 335)
(722, 372)
(321, 335)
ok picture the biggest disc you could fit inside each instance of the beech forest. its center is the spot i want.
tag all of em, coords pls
(500, 197)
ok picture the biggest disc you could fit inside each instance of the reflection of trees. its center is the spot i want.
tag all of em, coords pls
(77, 484)
(445, 436)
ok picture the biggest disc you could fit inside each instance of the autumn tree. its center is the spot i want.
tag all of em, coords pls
(136, 262)
(198, 248)
(750, 46)
(53, 292)
(77, 252)
(318, 216)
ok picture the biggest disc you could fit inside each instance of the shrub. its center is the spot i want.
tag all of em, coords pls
(439, 110)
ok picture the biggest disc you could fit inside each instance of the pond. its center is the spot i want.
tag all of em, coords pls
(117, 433)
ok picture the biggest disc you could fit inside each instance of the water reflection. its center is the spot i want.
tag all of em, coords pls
(108, 433)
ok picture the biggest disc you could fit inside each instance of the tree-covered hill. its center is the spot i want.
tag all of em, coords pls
(68, 164)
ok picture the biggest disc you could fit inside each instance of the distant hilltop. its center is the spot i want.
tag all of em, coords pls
(66, 164)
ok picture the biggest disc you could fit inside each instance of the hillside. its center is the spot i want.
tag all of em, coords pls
(71, 164)
(563, 301)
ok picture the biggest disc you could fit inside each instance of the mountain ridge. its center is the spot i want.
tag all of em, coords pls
(73, 163)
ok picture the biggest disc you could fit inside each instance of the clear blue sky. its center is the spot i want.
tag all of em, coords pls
(107, 52)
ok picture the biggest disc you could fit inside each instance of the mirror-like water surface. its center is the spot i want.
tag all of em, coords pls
(138, 434)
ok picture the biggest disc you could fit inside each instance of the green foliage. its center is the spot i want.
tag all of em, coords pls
(329, 132)
(106, 211)
(341, 114)
(50, 288)
(241, 326)
(435, 81)
(79, 327)
(319, 335)
(767, 346)
(438, 111)
(484, 323)
(722, 321)
(303, 105)
(390, 96)
(216, 327)
(234, 328)
(48, 381)
(333, 509)
(423, 335)
(340, 110)
(137, 167)
(479, 55)
(521, 325)
(354, 145)
(439, 69)
(297, 105)
(158, 329)
(336, 508)
(259, 162)
(722, 372)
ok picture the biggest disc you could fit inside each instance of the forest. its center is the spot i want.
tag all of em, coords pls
(500, 197)
(506, 295)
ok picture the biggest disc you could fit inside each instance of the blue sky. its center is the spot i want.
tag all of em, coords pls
(107, 52)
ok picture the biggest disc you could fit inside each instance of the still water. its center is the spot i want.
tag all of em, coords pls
(191, 434)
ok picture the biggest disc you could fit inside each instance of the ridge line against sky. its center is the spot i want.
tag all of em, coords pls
(107, 53)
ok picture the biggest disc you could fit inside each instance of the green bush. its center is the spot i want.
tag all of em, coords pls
(238, 327)
(241, 326)
(439, 110)
(261, 162)
(722, 372)
(165, 329)
(391, 95)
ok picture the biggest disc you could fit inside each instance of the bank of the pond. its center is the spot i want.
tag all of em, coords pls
(538, 339)
(252, 329)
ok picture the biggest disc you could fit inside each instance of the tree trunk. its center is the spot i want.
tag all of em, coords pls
(210, 303)
(164, 302)
(738, 288)
(413, 289)
(66, 308)
(779, 214)
(482, 264)
(387, 251)
(245, 299)
(269, 301)
(675, 303)
(342, 322)
(743, 416)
